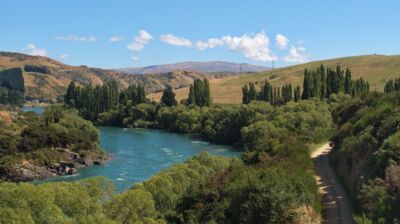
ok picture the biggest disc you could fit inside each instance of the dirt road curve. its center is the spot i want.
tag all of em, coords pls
(335, 203)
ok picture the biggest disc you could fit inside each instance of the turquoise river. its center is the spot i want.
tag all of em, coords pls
(137, 154)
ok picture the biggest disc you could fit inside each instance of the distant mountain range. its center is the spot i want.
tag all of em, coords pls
(203, 67)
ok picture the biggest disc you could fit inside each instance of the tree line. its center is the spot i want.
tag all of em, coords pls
(12, 87)
(199, 93)
(320, 83)
(90, 101)
(392, 85)
(268, 93)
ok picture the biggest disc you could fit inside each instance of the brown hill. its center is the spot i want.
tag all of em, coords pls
(53, 81)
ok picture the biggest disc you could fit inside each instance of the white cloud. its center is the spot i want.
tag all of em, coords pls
(134, 58)
(63, 56)
(255, 47)
(33, 50)
(297, 54)
(210, 43)
(75, 38)
(174, 40)
(140, 41)
(281, 41)
(116, 38)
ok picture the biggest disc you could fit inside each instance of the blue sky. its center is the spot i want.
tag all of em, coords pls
(156, 32)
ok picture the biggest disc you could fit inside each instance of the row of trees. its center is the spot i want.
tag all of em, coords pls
(168, 97)
(90, 101)
(37, 68)
(323, 82)
(199, 93)
(11, 97)
(268, 93)
(320, 83)
(392, 85)
(12, 87)
(135, 94)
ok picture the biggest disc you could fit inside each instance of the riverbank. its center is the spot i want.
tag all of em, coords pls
(138, 154)
(27, 168)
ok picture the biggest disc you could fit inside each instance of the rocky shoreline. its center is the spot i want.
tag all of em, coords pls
(26, 170)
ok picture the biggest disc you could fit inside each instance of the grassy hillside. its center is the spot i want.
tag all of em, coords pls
(377, 69)
(48, 78)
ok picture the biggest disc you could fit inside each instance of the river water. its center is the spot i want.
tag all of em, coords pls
(137, 154)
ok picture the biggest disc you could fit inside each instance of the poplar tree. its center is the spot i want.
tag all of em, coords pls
(206, 93)
(252, 92)
(297, 94)
(69, 98)
(347, 82)
(306, 85)
(168, 97)
(322, 93)
(199, 93)
(191, 98)
(245, 93)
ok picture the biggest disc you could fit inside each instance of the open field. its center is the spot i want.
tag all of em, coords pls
(377, 69)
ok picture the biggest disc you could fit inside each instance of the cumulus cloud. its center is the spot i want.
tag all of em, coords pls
(134, 58)
(63, 56)
(75, 38)
(140, 41)
(297, 54)
(210, 43)
(255, 47)
(116, 38)
(281, 41)
(33, 50)
(174, 40)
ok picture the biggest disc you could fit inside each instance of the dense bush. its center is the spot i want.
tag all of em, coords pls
(11, 97)
(36, 138)
(204, 189)
(75, 202)
(367, 153)
(309, 120)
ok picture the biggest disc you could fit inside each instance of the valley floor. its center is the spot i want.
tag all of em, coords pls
(335, 203)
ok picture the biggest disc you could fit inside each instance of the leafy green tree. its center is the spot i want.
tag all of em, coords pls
(347, 82)
(297, 94)
(168, 97)
(245, 94)
(131, 206)
(199, 93)
(252, 92)
(70, 96)
(191, 98)
(207, 93)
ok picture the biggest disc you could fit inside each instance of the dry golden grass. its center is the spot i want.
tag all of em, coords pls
(376, 69)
